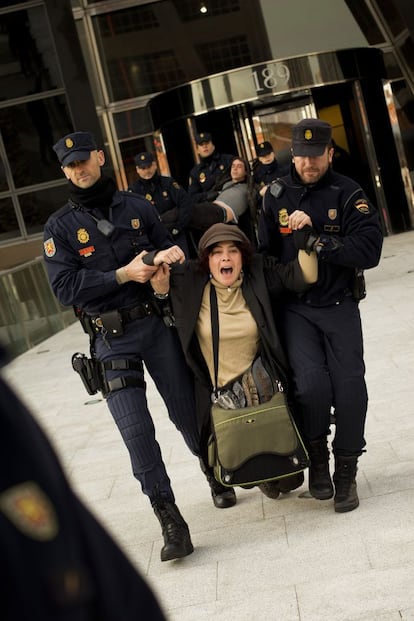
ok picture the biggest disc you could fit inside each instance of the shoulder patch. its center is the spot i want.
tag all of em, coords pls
(31, 512)
(362, 205)
(50, 248)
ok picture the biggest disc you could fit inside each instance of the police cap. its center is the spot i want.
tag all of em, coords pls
(76, 146)
(144, 159)
(310, 137)
(264, 148)
(203, 137)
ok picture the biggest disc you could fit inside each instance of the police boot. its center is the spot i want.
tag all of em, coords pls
(177, 541)
(223, 497)
(320, 482)
(346, 497)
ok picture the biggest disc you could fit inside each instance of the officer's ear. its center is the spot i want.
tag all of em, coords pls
(101, 157)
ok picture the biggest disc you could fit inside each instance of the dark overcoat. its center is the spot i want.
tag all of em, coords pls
(264, 283)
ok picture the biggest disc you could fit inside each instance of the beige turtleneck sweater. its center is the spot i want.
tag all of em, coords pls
(238, 333)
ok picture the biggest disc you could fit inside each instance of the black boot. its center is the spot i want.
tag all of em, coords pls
(223, 497)
(320, 482)
(272, 489)
(346, 497)
(177, 541)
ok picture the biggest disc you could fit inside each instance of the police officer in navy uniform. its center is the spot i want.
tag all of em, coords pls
(207, 177)
(266, 168)
(322, 328)
(57, 561)
(101, 249)
(170, 199)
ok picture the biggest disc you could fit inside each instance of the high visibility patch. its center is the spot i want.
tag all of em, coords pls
(202, 177)
(86, 252)
(83, 236)
(29, 509)
(332, 213)
(50, 248)
(362, 205)
(135, 223)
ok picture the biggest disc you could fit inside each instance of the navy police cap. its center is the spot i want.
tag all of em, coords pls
(310, 137)
(144, 159)
(76, 146)
(264, 148)
(203, 137)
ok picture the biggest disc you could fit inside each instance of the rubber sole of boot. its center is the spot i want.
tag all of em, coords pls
(171, 555)
(344, 508)
(321, 495)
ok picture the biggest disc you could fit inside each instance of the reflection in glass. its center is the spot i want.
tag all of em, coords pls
(9, 227)
(38, 206)
(29, 131)
(27, 53)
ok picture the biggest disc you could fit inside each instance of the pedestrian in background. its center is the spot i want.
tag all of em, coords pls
(171, 200)
(95, 249)
(321, 328)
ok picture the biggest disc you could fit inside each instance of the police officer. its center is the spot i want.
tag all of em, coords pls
(207, 177)
(95, 250)
(322, 328)
(57, 562)
(266, 168)
(170, 199)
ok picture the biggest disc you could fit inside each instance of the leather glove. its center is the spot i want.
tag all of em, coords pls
(305, 239)
(211, 195)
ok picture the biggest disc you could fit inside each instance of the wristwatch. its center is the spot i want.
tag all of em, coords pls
(161, 296)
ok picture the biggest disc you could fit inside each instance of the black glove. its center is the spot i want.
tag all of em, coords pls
(305, 239)
(211, 195)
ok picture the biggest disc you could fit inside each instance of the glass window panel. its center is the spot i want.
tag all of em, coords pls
(365, 21)
(391, 15)
(226, 54)
(132, 123)
(190, 10)
(28, 60)
(29, 132)
(9, 227)
(3, 181)
(37, 206)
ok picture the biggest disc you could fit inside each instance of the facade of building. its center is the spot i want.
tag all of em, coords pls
(147, 75)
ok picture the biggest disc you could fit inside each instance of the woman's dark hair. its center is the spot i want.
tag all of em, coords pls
(245, 248)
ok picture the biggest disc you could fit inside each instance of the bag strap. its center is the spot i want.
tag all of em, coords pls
(214, 331)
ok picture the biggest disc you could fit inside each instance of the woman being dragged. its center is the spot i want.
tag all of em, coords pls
(249, 287)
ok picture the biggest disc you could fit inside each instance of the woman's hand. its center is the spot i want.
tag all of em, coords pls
(160, 282)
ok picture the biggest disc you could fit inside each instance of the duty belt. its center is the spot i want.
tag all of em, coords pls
(112, 321)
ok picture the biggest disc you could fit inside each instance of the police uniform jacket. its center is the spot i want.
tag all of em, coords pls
(57, 562)
(205, 174)
(166, 194)
(264, 174)
(81, 260)
(347, 223)
(264, 279)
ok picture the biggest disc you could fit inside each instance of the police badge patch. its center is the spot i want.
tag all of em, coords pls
(83, 236)
(50, 248)
(29, 509)
(362, 205)
(135, 223)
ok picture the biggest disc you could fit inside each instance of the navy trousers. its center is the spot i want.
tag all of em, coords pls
(325, 351)
(150, 342)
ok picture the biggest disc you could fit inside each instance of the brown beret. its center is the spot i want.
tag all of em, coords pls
(221, 232)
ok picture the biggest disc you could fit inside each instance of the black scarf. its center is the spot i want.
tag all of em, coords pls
(98, 196)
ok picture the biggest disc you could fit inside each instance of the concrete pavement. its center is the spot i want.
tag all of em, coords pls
(290, 559)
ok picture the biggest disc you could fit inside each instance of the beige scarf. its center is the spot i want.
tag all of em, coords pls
(239, 336)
